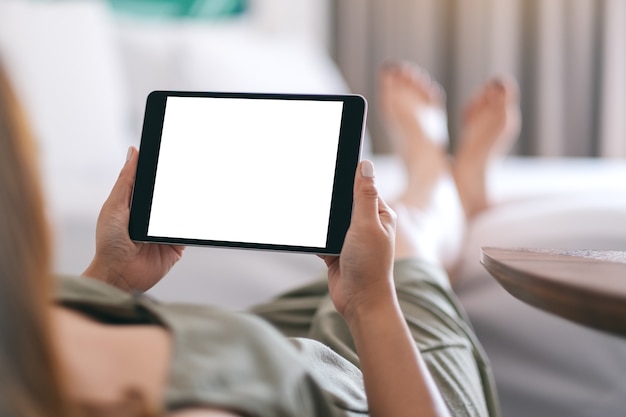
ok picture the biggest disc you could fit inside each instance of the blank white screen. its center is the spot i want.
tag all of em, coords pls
(246, 170)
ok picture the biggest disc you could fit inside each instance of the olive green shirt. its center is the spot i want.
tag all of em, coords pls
(294, 356)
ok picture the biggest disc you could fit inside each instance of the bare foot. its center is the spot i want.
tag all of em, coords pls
(430, 217)
(413, 108)
(491, 123)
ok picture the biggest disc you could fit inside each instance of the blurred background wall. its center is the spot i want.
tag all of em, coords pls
(569, 57)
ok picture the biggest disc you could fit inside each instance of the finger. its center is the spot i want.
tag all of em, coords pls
(123, 187)
(365, 193)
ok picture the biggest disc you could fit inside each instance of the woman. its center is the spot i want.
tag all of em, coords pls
(377, 337)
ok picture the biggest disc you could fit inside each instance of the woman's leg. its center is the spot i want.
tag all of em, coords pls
(430, 228)
(431, 222)
(430, 232)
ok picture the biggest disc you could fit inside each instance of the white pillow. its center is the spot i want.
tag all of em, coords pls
(61, 57)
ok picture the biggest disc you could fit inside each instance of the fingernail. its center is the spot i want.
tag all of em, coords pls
(129, 153)
(367, 169)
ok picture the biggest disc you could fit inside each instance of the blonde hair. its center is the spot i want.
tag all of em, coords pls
(30, 384)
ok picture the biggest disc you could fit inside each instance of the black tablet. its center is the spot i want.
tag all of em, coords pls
(258, 171)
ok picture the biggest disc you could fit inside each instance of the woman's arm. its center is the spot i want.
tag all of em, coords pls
(397, 381)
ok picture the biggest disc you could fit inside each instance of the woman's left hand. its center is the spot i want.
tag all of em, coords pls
(119, 261)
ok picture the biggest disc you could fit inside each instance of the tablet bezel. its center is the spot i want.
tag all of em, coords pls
(348, 155)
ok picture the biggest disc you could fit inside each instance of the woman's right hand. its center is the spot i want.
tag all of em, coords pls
(362, 276)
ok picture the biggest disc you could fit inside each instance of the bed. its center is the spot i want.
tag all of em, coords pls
(83, 75)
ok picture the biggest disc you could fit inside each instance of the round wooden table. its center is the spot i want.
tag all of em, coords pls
(588, 287)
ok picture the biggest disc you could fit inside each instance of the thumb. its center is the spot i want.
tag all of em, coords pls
(122, 190)
(365, 193)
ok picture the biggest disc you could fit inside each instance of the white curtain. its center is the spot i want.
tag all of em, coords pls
(569, 57)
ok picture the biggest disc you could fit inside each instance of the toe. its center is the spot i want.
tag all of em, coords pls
(508, 86)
